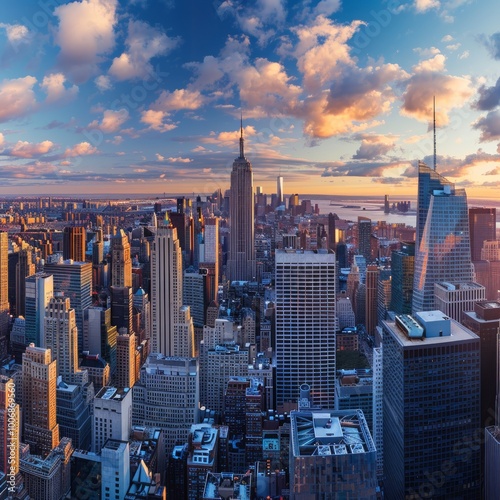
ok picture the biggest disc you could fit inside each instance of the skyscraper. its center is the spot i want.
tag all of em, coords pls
(171, 334)
(41, 430)
(4, 293)
(402, 272)
(39, 290)
(431, 408)
(74, 243)
(364, 236)
(482, 227)
(61, 337)
(209, 259)
(444, 250)
(305, 325)
(372, 275)
(241, 264)
(121, 263)
(24, 268)
(279, 191)
(74, 280)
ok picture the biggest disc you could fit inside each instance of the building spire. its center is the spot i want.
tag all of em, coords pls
(434, 118)
(242, 150)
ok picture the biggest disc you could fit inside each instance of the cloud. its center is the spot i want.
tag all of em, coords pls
(492, 43)
(489, 126)
(425, 5)
(374, 146)
(111, 121)
(179, 159)
(103, 83)
(143, 43)
(53, 85)
(155, 120)
(259, 20)
(429, 80)
(24, 149)
(1, 139)
(178, 99)
(84, 35)
(17, 98)
(80, 149)
(229, 139)
(159, 157)
(16, 33)
(447, 38)
(326, 7)
(489, 97)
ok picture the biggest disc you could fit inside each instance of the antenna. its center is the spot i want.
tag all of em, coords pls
(434, 112)
(242, 152)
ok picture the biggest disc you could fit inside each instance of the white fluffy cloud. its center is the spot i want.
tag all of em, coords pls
(80, 149)
(17, 98)
(53, 85)
(85, 34)
(111, 120)
(24, 149)
(143, 43)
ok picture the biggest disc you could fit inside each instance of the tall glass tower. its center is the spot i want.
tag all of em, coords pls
(305, 325)
(241, 262)
(444, 248)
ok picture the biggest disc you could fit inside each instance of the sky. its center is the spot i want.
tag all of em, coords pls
(108, 97)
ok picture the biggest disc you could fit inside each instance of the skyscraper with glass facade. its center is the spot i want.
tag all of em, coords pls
(431, 414)
(444, 250)
(305, 325)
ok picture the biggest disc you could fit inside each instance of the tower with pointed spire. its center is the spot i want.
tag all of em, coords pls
(241, 265)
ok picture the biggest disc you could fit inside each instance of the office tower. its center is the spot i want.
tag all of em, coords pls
(482, 227)
(61, 338)
(177, 471)
(125, 360)
(48, 477)
(492, 462)
(402, 272)
(73, 414)
(354, 389)
(4, 293)
(384, 294)
(203, 441)
(444, 251)
(121, 262)
(305, 325)
(166, 397)
(9, 427)
(484, 320)
(194, 295)
(428, 181)
(332, 237)
(74, 243)
(371, 302)
(332, 455)
(24, 268)
(115, 460)
(378, 408)
(254, 421)
(364, 236)
(74, 280)
(39, 291)
(183, 221)
(122, 308)
(210, 258)
(100, 335)
(344, 311)
(41, 430)
(172, 328)
(112, 416)
(217, 366)
(454, 298)
(279, 191)
(342, 254)
(98, 370)
(143, 306)
(241, 264)
(430, 401)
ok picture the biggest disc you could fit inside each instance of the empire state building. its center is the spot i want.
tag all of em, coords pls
(241, 263)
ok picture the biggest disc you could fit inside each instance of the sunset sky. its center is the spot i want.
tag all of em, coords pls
(144, 96)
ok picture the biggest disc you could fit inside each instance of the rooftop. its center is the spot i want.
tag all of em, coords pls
(329, 432)
(112, 393)
(228, 485)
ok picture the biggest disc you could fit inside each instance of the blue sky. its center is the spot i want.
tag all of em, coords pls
(144, 96)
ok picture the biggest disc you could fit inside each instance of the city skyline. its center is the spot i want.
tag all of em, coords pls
(334, 96)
